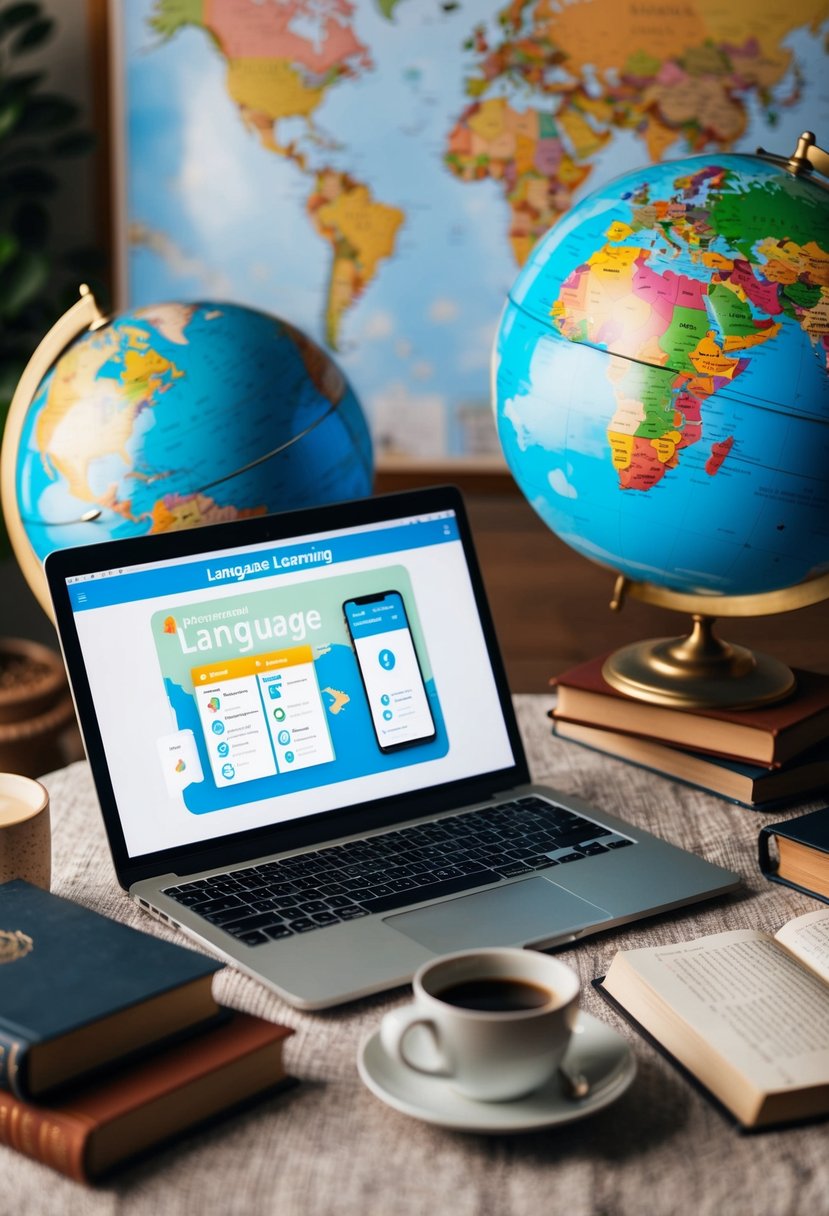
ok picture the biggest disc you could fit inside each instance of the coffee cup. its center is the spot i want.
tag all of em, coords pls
(25, 833)
(494, 1023)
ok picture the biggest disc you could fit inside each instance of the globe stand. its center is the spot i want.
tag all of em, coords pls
(700, 670)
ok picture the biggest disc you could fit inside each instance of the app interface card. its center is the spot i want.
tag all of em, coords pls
(294, 709)
(390, 670)
(262, 715)
(180, 762)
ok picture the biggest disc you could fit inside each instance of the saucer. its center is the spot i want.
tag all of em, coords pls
(595, 1050)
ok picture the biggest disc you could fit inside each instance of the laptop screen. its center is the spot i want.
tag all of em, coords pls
(244, 688)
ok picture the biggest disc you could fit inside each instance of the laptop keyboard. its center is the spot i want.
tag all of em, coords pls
(427, 861)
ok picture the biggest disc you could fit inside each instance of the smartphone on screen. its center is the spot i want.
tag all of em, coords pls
(390, 670)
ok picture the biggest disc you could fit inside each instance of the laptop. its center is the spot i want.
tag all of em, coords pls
(307, 758)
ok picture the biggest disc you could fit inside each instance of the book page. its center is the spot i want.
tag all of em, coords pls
(750, 1000)
(807, 937)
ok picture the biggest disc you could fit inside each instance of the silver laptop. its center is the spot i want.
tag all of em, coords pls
(307, 758)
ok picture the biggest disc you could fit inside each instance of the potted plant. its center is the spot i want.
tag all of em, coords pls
(38, 129)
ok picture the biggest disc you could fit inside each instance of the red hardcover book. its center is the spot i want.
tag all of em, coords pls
(94, 1128)
(769, 735)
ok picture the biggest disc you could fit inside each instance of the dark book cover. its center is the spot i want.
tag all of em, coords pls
(69, 973)
(810, 831)
(756, 787)
(93, 1129)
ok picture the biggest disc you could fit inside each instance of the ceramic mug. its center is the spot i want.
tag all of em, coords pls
(495, 1023)
(25, 832)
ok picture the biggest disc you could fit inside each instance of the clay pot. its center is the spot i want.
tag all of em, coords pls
(37, 717)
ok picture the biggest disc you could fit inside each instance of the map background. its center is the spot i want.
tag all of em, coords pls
(416, 345)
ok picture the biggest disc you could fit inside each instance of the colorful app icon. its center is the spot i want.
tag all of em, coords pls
(218, 728)
(213, 704)
(180, 761)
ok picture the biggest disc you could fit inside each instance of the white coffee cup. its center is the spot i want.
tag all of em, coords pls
(25, 830)
(495, 1023)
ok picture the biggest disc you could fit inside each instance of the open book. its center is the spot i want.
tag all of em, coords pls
(747, 1013)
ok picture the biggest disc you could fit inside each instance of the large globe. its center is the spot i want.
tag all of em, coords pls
(184, 414)
(660, 376)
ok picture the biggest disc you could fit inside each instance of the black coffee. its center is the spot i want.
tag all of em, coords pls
(496, 995)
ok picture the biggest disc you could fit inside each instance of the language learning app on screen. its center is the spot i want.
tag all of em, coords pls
(278, 693)
(390, 670)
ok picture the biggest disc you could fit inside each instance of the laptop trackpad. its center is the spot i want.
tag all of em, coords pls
(531, 911)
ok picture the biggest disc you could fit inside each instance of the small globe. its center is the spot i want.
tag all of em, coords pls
(183, 414)
(660, 377)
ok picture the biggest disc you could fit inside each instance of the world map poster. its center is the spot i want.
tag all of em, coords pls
(377, 172)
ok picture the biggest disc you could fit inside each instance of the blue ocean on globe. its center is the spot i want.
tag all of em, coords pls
(182, 414)
(660, 376)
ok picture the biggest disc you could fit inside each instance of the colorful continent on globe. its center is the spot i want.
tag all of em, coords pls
(97, 393)
(99, 390)
(675, 340)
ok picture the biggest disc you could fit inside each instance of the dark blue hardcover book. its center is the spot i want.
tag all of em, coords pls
(796, 853)
(750, 785)
(79, 991)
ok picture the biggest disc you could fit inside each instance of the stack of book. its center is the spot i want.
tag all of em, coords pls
(758, 757)
(111, 1041)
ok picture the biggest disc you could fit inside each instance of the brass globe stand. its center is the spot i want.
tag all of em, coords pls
(700, 670)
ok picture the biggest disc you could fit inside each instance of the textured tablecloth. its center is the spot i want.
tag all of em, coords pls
(331, 1146)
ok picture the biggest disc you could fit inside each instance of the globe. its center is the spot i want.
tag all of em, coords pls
(176, 415)
(660, 377)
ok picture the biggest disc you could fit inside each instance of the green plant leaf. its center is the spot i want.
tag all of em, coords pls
(11, 369)
(47, 113)
(32, 36)
(8, 247)
(9, 117)
(77, 143)
(21, 281)
(18, 14)
(31, 225)
(30, 179)
(21, 154)
(20, 86)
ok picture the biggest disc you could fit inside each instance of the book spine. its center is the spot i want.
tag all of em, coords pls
(44, 1135)
(764, 860)
(13, 1064)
